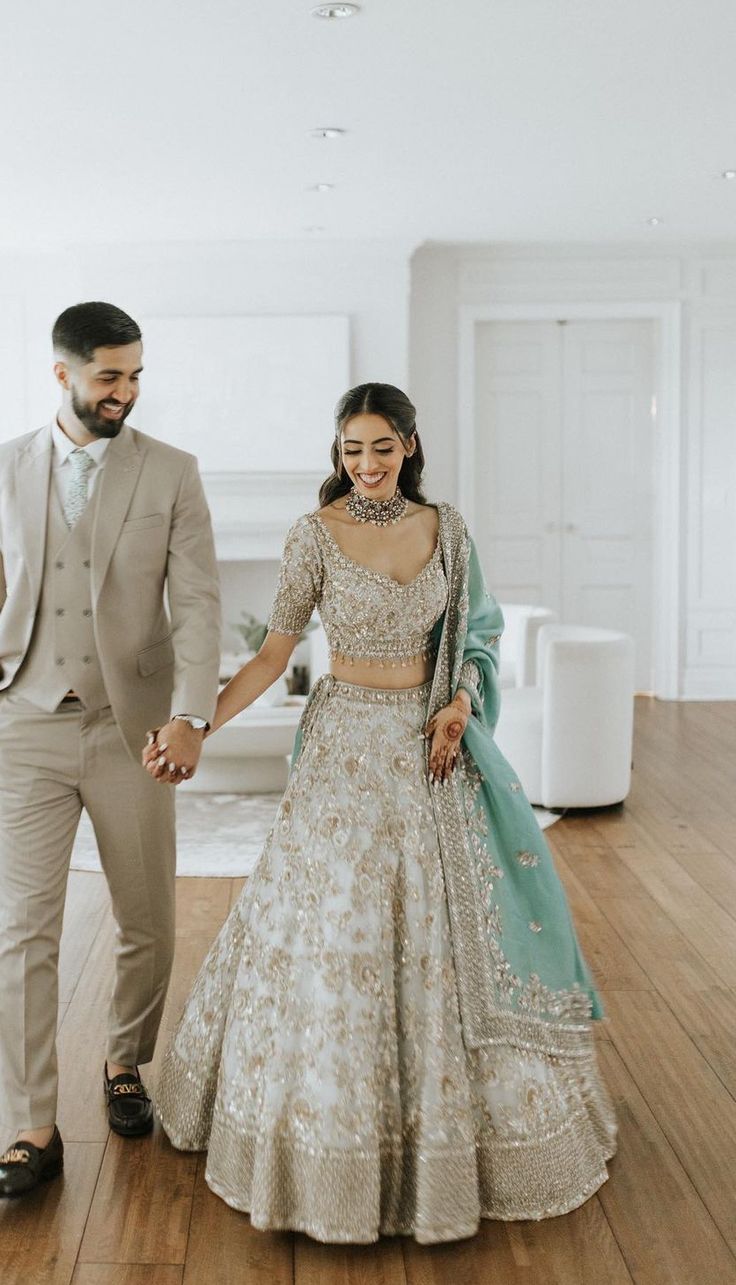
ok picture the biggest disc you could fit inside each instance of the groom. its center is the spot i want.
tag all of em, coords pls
(109, 625)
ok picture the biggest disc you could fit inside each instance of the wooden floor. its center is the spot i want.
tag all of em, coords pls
(653, 890)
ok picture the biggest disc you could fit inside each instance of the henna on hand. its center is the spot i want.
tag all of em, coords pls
(454, 730)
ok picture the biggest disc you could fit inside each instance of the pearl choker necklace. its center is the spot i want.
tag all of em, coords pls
(379, 512)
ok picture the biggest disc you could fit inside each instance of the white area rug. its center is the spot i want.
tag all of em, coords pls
(217, 834)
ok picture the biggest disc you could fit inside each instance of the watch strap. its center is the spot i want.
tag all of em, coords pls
(194, 721)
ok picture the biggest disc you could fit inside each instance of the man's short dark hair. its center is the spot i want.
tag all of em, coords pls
(87, 326)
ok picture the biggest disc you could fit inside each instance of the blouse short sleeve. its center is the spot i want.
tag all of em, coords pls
(300, 581)
(471, 679)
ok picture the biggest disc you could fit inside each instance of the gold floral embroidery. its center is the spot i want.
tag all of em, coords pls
(527, 859)
(367, 615)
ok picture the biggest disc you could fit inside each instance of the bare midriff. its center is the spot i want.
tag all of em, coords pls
(388, 676)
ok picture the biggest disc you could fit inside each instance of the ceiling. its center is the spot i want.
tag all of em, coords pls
(500, 120)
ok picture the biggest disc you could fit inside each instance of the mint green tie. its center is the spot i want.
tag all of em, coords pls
(78, 493)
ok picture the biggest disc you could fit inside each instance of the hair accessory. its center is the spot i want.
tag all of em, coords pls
(379, 512)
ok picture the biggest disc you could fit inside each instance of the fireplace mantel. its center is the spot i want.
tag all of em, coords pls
(251, 512)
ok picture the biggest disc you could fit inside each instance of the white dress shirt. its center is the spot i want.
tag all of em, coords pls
(61, 468)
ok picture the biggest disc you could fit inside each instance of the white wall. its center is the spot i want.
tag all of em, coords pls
(368, 280)
(703, 280)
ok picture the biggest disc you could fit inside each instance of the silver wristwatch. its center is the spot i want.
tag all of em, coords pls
(199, 724)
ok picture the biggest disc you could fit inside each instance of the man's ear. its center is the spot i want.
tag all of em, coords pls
(61, 371)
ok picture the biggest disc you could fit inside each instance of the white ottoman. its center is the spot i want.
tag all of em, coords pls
(569, 739)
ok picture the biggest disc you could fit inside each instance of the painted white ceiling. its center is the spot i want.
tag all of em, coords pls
(497, 120)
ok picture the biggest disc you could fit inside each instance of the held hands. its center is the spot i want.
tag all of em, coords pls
(171, 753)
(446, 730)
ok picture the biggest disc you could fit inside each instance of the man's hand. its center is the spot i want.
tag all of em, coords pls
(171, 753)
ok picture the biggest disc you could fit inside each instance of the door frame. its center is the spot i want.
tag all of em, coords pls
(668, 452)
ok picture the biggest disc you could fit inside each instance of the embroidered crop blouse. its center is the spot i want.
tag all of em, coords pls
(367, 615)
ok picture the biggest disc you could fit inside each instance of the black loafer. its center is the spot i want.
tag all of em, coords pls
(24, 1166)
(129, 1108)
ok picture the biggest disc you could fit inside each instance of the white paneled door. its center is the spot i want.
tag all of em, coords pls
(564, 479)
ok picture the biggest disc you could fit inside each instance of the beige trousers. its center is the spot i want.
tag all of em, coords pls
(51, 766)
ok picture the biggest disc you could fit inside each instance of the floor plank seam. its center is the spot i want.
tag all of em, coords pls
(681, 1161)
(643, 823)
(601, 903)
(201, 1160)
(685, 1172)
(696, 1046)
(83, 1232)
(725, 909)
(616, 1240)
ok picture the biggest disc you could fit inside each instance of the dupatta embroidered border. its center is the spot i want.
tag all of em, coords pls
(486, 1019)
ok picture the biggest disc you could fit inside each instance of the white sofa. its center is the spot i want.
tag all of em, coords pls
(518, 647)
(250, 754)
(569, 737)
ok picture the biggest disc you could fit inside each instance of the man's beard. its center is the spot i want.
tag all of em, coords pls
(96, 423)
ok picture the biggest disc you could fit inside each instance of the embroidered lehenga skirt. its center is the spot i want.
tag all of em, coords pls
(320, 1058)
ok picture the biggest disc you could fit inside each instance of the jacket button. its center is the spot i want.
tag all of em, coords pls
(87, 611)
(59, 566)
(86, 660)
(60, 660)
(60, 611)
(86, 562)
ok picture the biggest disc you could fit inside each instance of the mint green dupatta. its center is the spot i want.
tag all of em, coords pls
(521, 976)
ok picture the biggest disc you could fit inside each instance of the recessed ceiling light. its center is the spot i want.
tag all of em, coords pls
(333, 11)
(321, 187)
(327, 131)
(314, 228)
(654, 222)
(728, 174)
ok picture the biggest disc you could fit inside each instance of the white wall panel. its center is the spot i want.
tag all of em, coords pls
(446, 279)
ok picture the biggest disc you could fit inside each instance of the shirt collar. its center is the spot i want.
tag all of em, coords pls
(63, 445)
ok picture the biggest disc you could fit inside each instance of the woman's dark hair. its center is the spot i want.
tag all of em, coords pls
(87, 326)
(393, 406)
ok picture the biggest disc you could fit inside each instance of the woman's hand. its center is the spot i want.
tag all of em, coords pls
(446, 730)
(159, 759)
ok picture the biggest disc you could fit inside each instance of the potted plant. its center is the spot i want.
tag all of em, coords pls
(253, 632)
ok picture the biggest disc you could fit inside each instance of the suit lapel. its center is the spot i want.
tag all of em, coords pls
(33, 478)
(123, 462)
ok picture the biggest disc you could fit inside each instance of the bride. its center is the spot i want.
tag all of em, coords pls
(392, 1032)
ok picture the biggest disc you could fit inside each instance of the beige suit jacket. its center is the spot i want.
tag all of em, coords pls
(152, 542)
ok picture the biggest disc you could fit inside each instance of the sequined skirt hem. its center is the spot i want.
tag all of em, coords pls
(400, 1187)
(333, 1235)
(337, 1235)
